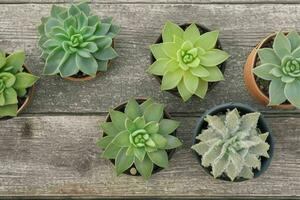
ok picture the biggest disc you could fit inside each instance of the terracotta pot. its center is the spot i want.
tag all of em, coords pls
(249, 77)
(243, 109)
(132, 170)
(202, 30)
(87, 77)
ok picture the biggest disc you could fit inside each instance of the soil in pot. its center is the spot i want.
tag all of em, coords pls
(202, 29)
(132, 170)
(261, 125)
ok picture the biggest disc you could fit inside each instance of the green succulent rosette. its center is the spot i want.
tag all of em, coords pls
(281, 66)
(139, 136)
(13, 82)
(74, 40)
(187, 60)
(232, 145)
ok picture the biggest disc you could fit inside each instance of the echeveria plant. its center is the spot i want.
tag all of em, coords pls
(139, 136)
(13, 82)
(281, 66)
(232, 145)
(73, 40)
(187, 60)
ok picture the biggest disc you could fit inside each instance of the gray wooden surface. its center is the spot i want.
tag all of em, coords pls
(50, 150)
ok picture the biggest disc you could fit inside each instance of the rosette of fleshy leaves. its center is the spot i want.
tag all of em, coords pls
(13, 82)
(139, 136)
(281, 66)
(187, 60)
(232, 145)
(74, 40)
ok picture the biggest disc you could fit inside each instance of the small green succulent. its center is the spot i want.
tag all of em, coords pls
(73, 40)
(187, 60)
(13, 82)
(281, 66)
(232, 145)
(139, 136)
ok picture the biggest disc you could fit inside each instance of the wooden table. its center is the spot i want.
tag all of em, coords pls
(49, 150)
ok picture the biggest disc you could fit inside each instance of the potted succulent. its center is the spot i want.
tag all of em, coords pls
(139, 137)
(76, 44)
(187, 59)
(233, 142)
(272, 70)
(16, 84)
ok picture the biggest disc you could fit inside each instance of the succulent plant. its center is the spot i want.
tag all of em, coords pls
(281, 66)
(232, 145)
(13, 82)
(187, 60)
(73, 40)
(139, 136)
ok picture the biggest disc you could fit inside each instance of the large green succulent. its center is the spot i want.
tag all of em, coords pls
(232, 145)
(13, 82)
(73, 40)
(139, 136)
(187, 60)
(281, 66)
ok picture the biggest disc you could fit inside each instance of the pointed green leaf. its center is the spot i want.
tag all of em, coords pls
(139, 153)
(294, 38)
(118, 119)
(144, 167)
(213, 57)
(276, 92)
(282, 45)
(172, 142)
(24, 80)
(53, 61)
(88, 66)
(159, 67)
(170, 30)
(69, 67)
(104, 142)
(183, 91)
(10, 96)
(267, 55)
(16, 60)
(168, 126)
(152, 127)
(159, 157)
(263, 71)
(159, 140)
(146, 103)
(109, 128)
(132, 109)
(122, 139)
(292, 93)
(158, 52)
(208, 40)
(139, 122)
(199, 71)
(9, 110)
(171, 79)
(202, 88)
(190, 81)
(111, 151)
(154, 112)
(123, 161)
(191, 33)
(106, 54)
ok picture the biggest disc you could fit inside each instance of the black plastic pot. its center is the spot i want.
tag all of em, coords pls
(202, 29)
(170, 152)
(243, 109)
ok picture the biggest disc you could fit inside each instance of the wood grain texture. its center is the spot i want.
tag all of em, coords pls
(242, 26)
(56, 155)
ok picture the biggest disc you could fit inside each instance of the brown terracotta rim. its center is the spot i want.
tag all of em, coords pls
(249, 77)
(87, 77)
(170, 152)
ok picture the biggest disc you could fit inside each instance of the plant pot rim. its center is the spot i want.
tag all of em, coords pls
(170, 152)
(249, 77)
(88, 77)
(203, 28)
(28, 99)
(262, 125)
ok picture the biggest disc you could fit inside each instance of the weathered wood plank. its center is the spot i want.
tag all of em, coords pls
(56, 155)
(242, 26)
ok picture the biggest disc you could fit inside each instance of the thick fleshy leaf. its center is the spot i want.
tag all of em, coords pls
(69, 67)
(172, 142)
(53, 61)
(202, 88)
(159, 157)
(24, 80)
(215, 74)
(170, 49)
(118, 119)
(296, 52)
(144, 167)
(56, 10)
(9, 110)
(84, 7)
(200, 148)
(183, 91)
(276, 92)
(219, 166)
(267, 55)
(122, 139)
(102, 65)
(104, 142)
(50, 24)
(139, 122)
(287, 79)
(109, 128)
(103, 29)
(10, 96)
(146, 103)
(282, 45)
(191, 33)
(277, 72)
(159, 140)
(130, 126)
(210, 155)
(199, 71)
(123, 161)
(87, 65)
(171, 79)
(104, 42)
(158, 52)
(168, 126)
(190, 81)
(16, 60)
(294, 38)
(292, 93)
(170, 30)
(152, 127)
(207, 40)
(263, 71)
(132, 109)
(106, 54)
(21, 92)
(249, 121)
(111, 151)
(139, 153)
(90, 47)
(159, 67)
(213, 57)
(154, 112)
(2, 59)
(232, 120)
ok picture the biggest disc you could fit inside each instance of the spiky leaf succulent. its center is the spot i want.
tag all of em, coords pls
(232, 145)
(140, 136)
(13, 82)
(187, 60)
(281, 66)
(73, 40)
